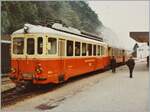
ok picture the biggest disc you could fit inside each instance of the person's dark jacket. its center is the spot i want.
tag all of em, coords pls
(130, 63)
(113, 62)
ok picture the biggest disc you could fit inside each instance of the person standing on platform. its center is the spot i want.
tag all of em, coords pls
(147, 61)
(130, 63)
(113, 64)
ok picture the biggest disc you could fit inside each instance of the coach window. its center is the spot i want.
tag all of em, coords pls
(83, 49)
(104, 51)
(94, 50)
(89, 49)
(52, 46)
(120, 52)
(114, 54)
(77, 48)
(18, 45)
(30, 46)
(40, 45)
(69, 48)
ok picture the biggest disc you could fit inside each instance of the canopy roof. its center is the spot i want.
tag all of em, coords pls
(140, 36)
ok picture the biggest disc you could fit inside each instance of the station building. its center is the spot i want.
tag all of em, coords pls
(143, 49)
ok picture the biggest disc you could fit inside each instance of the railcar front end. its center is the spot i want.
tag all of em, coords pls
(30, 59)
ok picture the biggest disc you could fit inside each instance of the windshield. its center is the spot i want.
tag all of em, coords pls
(18, 45)
(30, 46)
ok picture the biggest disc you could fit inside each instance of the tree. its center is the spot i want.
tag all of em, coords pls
(72, 13)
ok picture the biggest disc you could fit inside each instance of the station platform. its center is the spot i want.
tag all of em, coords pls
(118, 93)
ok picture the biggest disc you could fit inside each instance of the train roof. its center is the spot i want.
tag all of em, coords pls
(59, 30)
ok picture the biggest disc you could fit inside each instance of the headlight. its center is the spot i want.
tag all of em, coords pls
(13, 70)
(38, 69)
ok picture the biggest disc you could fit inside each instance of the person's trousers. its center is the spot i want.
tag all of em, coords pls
(131, 71)
(113, 69)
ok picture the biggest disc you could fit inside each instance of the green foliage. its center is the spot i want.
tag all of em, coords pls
(73, 13)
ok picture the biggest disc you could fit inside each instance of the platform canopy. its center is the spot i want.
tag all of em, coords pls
(140, 36)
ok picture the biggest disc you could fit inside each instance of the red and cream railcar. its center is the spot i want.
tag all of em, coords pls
(44, 55)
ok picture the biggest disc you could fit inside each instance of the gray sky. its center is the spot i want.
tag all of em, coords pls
(123, 17)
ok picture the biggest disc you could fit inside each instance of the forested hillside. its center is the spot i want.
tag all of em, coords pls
(73, 13)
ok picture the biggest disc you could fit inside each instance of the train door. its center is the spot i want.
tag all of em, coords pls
(109, 51)
(123, 55)
(61, 54)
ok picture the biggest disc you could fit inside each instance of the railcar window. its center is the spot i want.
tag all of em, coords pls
(18, 45)
(52, 46)
(83, 49)
(94, 50)
(98, 50)
(69, 48)
(77, 48)
(102, 50)
(89, 49)
(30, 46)
(40, 45)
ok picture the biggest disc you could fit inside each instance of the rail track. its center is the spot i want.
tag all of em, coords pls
(5, 80)
(15, 95)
